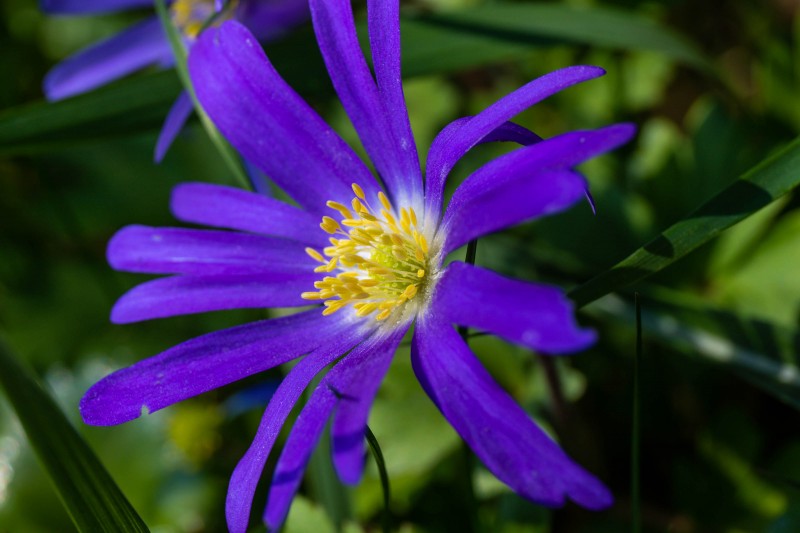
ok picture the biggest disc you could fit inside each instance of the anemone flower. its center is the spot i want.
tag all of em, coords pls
(145, 44)
(376, 263)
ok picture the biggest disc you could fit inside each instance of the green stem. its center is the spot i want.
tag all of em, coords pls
(225, 150)
(386, 522)
(635, 445)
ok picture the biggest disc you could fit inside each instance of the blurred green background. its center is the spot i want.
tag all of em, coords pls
(714, 88)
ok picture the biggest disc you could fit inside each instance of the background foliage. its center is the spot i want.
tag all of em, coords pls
(714, 88)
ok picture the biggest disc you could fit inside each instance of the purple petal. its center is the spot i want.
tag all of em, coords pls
(137, 47)
(500, 433)
(356, 382)
(79, 7)
(203, 364)
(365, 364)
(449, 147)
(534, 315)
(296, 452)
(245, 477)
(269, 20)
(204, 252)
(528, 183)
(231, 208)
(395, 158)
(183, 295)
(176, 119)
(269, 123)
(506, 132)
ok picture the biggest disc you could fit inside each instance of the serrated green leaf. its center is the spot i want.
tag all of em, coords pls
(93, 500)
(759, 187)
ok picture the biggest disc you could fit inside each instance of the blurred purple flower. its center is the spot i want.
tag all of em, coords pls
(377, 264)
(145, 44)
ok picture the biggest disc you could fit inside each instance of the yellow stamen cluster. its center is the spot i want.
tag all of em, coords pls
(382, 259)
(191, 16)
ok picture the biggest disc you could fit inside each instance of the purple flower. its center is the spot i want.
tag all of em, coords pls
(377, 264)
(145, 44)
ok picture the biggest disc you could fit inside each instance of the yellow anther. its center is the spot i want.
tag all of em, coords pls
(383, 315)
(359, 191)
(410, 291)
(384, 201)
(310, 296)
(315, 255)
(420, 273)
(413, 215)
(329, 225)
(340, 208)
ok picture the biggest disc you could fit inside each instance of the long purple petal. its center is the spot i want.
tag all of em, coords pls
(270, 19)
(204, 252)
(357, 390)
(80, 7)
(203, 364)
(336, 33)
(527, 183)
(232, 208)
(178, 114)
(245, 477)
(500, 433)
(269, 123)
(506, 132)
(363, 364)
(534, 315)
(183, 295)
(384, 39)
(296, 452)
(450, 146)
(138, 46)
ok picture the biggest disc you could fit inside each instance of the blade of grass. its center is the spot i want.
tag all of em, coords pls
(92, 499)
(762, 185)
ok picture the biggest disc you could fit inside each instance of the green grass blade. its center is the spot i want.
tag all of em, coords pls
(762, 185)
(375, 448)
(93, 500)
(549, 23)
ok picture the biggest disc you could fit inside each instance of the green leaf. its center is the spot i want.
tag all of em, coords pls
(548, 23)
(91, 497)
(762, 185)
(431, 44)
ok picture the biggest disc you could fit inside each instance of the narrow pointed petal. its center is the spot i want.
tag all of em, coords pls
(528, 183)
(384, 41)
(335, 29)
(232, 208)
(139, 46)
(358, 365)
(176, 119)
(500, 433)
(284, 137)
(184, 295)
(80, 7)
(245, 477)
(450, 146)
(204, 252)
(356, 391)
(295, 455)
(534, 315)
(203, 364)
(506, 132)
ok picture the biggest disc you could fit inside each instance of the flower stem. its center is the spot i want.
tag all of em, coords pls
(375, 448)
(466, 452)
(179, 52)
(635, 445)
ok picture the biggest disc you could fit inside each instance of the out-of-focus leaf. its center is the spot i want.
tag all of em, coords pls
(431, 44)
(762, 353)
(762, 185)
(542, 23)
(91, 497)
